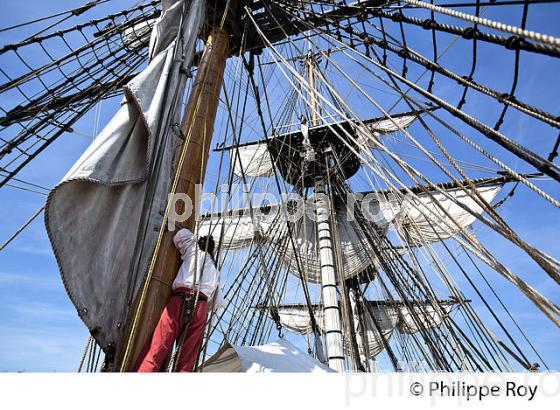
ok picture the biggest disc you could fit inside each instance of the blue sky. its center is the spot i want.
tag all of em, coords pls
(39, 329)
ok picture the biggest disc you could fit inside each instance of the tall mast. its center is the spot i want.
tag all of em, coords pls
(313, 98)
(331, 309)
(197, 127)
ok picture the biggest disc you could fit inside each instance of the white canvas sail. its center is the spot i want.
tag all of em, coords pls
(357, 255)
(242, 229)
(386, 319)
(254, 160)
(391, 316)
(383, 127)
(139, 35)
(387, 126)
(424, 316)
(297, 320)
(239, 229)
(417, 219)
(276, 357)
(424, 222)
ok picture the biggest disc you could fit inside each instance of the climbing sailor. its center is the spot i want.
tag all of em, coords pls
(184, 317)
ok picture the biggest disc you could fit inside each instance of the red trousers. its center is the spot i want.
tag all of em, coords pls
(168, 330)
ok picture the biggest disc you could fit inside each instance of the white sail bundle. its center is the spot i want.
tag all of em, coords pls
(423, 221)
(243, 227)
(417, 317)
(138, 35)
(417, 218)
(357, 255)
(383, 127)
(389, 125)
(100, 228)
(255, 160)
(239, 229)
(297, 319)
(379, 333)
(425, 316)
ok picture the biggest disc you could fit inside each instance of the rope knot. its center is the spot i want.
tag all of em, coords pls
(470, 33)
(515, 42)
(428, 24)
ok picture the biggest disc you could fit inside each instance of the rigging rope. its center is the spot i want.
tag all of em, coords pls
(543, 38)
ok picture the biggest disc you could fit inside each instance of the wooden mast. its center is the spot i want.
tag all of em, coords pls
(197, 127)
(313, 102)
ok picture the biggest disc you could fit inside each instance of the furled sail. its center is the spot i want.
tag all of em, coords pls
(383, 127)
(424, 316)
(424, 222)
(100, 218)
(389, 316)
(238, 229)
(357, 255)
(255, 159)
(416, 217)
(297, 320)
(138, 35)
(388, 126)
(241, 229)
(386, 319)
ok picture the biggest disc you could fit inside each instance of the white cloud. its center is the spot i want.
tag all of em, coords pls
(34, 281)
(44, 312)
(43, 348)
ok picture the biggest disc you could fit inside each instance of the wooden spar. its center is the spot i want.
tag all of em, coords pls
(197, 127)
(312, 90)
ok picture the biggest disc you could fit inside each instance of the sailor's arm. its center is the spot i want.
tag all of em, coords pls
(184, 240)
(219, 301)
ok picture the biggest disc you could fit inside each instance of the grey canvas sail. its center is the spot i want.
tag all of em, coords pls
(101, 217)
